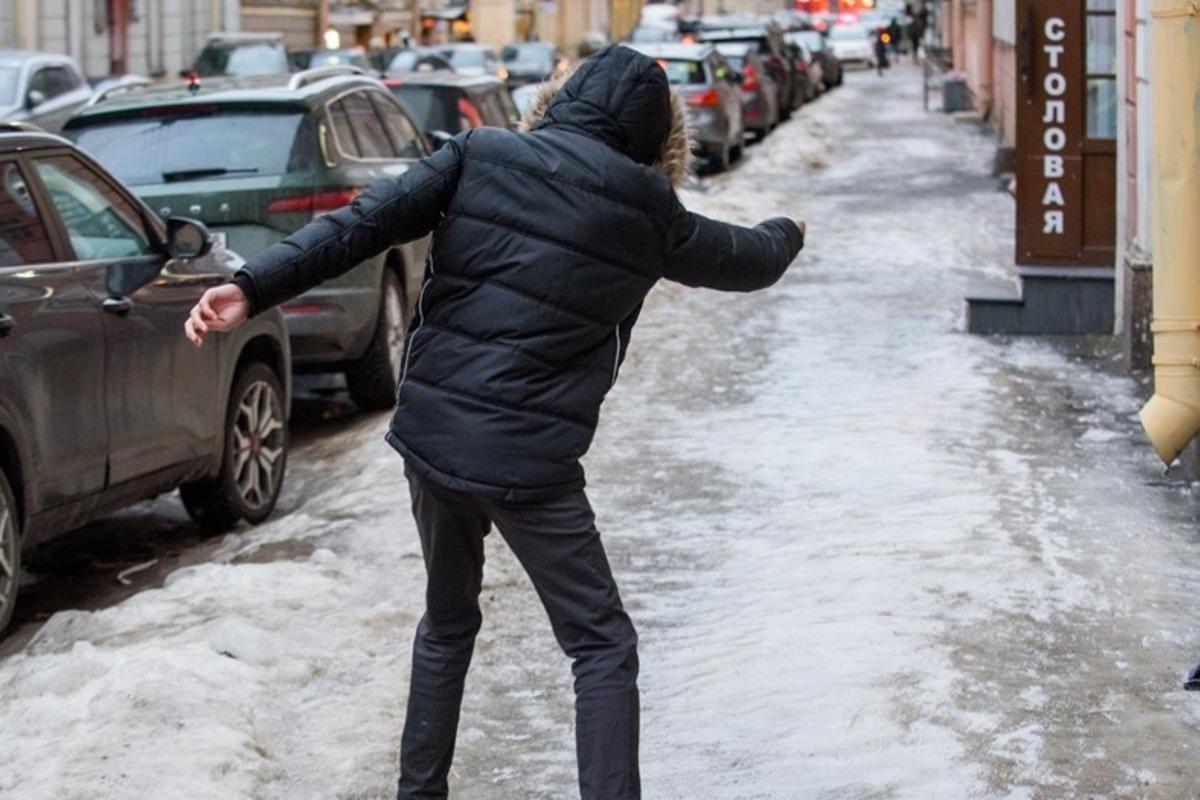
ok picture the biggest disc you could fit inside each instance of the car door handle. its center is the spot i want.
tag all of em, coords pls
(117, 305)
(7, 323)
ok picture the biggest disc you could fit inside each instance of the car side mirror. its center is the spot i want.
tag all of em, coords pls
(439, 139)
(187, 238)
(34, 99)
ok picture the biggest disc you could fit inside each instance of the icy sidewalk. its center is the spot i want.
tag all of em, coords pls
(870, 556)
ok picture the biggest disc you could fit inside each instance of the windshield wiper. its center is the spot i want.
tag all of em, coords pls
(204, 172)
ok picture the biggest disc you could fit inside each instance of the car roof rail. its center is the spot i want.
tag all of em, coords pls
(305, 77)
(19, 126)
(119, 88)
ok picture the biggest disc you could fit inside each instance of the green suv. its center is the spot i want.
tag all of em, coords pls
(255, 158)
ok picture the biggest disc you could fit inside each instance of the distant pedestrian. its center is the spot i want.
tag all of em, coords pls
(545, 244)
(881, 52)
(894, 35)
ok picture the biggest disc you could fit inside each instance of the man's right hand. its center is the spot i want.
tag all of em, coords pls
(221, 308)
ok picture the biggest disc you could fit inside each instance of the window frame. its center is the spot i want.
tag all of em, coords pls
(154, 229)
(1097, 143)
(60, 248)
(341, 153)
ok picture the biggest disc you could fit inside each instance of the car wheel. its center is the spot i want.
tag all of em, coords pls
(720, 159)
(10, 553)
(372, 378)
(252, 469)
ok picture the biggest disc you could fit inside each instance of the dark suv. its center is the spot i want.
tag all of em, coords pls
(257, 158)
(103, 402)
(443, 104)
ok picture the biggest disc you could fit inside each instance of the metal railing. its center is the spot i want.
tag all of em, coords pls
(936, 63)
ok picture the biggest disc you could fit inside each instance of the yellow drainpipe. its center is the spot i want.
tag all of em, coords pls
(1172, 417)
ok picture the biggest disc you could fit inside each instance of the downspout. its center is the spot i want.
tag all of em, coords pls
(1172, 417)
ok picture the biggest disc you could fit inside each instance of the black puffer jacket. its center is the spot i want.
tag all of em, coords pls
(545, 244)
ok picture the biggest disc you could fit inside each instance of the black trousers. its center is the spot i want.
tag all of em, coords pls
(557, 543)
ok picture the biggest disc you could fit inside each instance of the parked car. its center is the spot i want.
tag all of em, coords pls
(769, 40)
(807, 68)
(312, 59)
(232, 54)
(533, 62)
(256, 159)
(103, 402)
(710, 87)
(41, 88)
(474, 59)
(760, 101)
(443, 104)
(652, 34)
(852, 45)
(417, 60)
(831, 67)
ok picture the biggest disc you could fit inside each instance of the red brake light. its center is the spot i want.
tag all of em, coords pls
(749, 78)
(312, 203)
(706, 98)
(392, 83)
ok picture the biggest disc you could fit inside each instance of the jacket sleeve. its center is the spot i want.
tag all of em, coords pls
(716, 255)
(388, 212)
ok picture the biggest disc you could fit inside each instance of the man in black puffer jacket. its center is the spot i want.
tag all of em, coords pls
(545, 243)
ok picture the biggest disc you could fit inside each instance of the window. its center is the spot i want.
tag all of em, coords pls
(1101, 29)
(684, 72)
(23, 236)
(359, 132)
(100, 222)
(226, 143)
(53, 81)
(406, 142)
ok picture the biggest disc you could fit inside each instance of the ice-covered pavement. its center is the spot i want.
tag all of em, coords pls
(870, 556)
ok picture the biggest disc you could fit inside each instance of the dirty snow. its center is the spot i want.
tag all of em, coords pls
(870, 556)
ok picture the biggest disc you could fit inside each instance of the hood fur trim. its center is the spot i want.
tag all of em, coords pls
(674, 160)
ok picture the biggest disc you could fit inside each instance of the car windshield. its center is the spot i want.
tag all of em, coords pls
(145, 151)
(650, 35)
(264, 58)
(810, 39)
(465, 56)
(845, 32)
(8, 85)
(333, 58)
(684, 73)
(528, 55)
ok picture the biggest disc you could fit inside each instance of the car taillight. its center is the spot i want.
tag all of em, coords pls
(707, 98)
(749, 78)
(314, 204)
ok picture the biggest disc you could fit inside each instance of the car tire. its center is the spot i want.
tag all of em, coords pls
(10, 553)
(720, 160)
(371, 379)
(256, 444)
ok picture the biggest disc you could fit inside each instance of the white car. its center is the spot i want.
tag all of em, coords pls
(852, 44)
(40, 88)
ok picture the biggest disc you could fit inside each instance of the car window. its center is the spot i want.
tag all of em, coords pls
(683, 73)
(405, 140)
(491, 110)
(225, 143)
(99, 221)
(23, 236)
(508, 107)
(435, 108)
(53, 81)
(356, 118)
(9, 78)
(265, 58)
(343, 131)
(465, 57)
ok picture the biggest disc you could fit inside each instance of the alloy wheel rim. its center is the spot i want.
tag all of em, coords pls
(8, 560)
(258, 433)
(394, 318)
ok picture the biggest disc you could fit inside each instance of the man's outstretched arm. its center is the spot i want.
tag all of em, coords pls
(717, 255)
(387, 213)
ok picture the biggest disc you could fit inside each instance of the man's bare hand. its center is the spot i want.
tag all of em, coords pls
(221, 308)
(803, 226)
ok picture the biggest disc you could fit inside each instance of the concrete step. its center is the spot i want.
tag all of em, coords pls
(1061, 301)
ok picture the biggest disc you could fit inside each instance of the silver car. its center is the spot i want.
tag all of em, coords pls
(711, 89)
(41, 88)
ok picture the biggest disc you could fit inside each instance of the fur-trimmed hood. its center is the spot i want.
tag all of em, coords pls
(621, 97)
